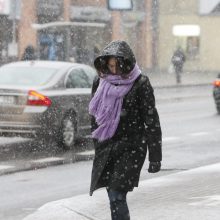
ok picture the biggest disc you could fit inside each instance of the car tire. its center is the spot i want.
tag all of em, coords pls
(218, 109)
(68, 132)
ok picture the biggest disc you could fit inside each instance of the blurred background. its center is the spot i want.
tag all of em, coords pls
(75, 30)
(160, 32)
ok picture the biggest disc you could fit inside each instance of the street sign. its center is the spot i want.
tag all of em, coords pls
(120, 5)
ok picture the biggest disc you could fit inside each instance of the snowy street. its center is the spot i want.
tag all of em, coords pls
(190, 139)
(88, 88)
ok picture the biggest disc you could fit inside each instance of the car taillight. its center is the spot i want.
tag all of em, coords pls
(37, 99)
(217, 83)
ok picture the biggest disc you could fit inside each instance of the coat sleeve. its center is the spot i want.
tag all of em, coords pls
(151, 121)
(94, 88)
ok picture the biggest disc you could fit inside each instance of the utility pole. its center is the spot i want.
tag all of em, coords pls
(117, 32)
(117, 7)
(14, 9)
(66, 18)
(13, 47)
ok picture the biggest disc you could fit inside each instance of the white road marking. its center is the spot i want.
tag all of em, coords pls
(166, 139)
(185, 136)
(5, 167)
(29, 209)
(11, 140)
(48, 159)
(206, 201)
(203, 133)
(86, 152)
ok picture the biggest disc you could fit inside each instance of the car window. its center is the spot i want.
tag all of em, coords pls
(91, 73)
(27, 76)
(78, 79)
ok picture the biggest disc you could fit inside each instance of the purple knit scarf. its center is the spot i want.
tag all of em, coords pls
(106, 104)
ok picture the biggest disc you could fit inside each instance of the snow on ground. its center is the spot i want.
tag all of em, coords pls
(11, 140)
(192, 194)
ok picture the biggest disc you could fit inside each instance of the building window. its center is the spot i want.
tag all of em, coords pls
(188, 38)
(192, 47)
(207, 7)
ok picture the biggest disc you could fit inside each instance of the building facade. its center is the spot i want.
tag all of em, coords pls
(77, 30)
(193, 26)
(9, 15)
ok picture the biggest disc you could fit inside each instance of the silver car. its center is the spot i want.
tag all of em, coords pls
(45, 99)
(216, 93)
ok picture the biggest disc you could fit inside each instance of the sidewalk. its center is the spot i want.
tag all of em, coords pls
(188, 79)
(187, 195)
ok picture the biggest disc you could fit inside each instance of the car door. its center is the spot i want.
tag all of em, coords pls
(78, 84)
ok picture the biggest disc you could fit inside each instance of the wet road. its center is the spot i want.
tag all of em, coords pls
(191, 136)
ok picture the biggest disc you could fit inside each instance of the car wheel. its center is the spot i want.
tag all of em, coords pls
(68, 131)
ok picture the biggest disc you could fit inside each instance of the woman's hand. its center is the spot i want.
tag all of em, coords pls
(154, 167)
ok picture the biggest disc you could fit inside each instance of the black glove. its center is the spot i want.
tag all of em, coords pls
(154, 167)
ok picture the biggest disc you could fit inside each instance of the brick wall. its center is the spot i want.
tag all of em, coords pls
(26, 34)
(142, 45)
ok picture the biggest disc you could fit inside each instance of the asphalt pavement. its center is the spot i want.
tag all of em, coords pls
(193, 194)
(166, 89)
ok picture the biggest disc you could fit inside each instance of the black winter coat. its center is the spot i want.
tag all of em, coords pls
(118, 161)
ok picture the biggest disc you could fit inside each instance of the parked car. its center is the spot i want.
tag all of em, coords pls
(216, 92)
(45, 99)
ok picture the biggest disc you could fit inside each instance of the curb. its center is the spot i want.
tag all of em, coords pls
(181, 85)
(178, 98)
(32, 165)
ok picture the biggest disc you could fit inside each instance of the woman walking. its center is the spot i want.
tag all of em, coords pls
(125, 123)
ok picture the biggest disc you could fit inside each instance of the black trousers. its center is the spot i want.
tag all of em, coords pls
(118, 205)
